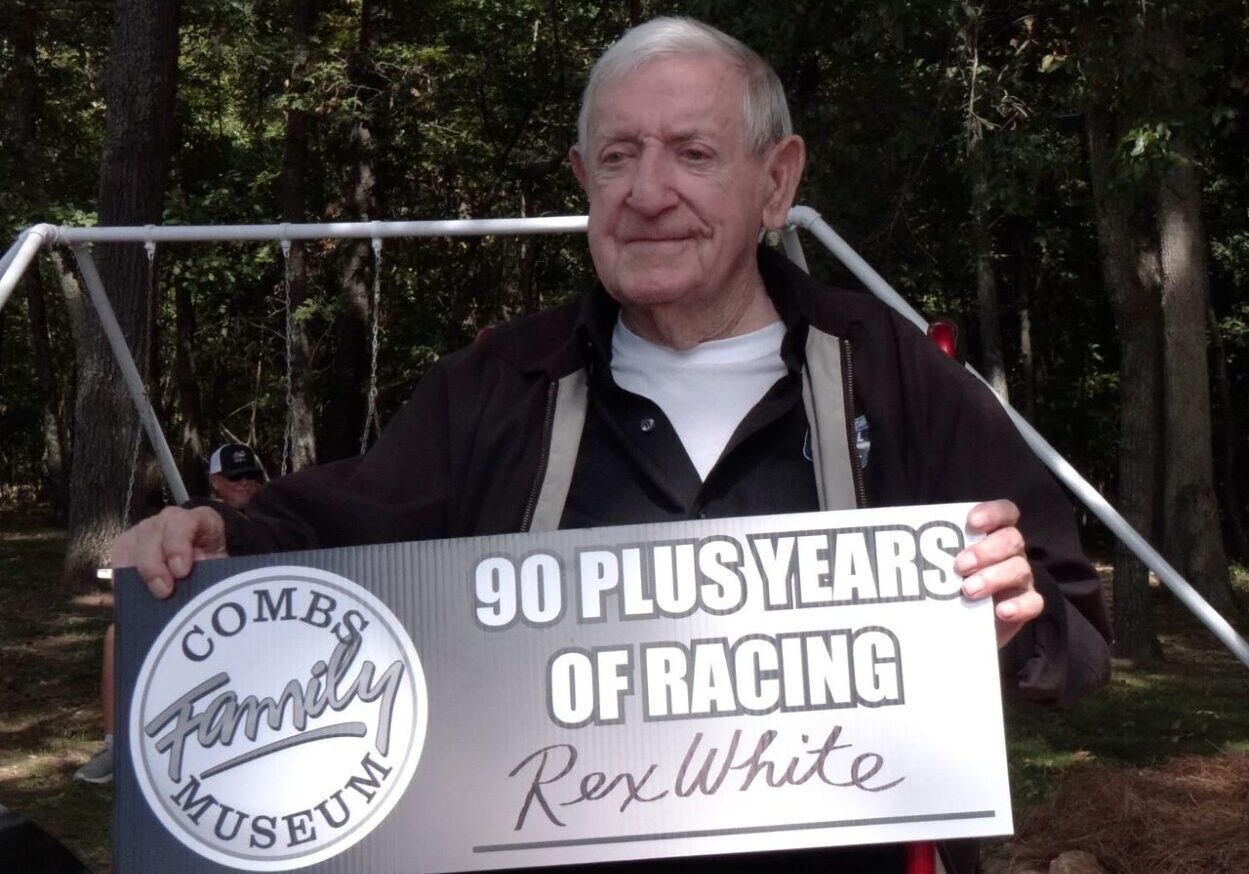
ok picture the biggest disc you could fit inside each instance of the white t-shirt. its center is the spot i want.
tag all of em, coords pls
(705, 391)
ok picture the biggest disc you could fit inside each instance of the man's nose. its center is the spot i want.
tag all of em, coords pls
(652, 190)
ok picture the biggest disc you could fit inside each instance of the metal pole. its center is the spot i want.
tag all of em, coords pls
(805, 217)
(793, 247)
(130, 373)
(15, 261)
(18, 257)
(7, 258)
(314, 231)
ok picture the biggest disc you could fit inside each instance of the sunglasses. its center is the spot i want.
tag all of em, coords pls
(236, 477)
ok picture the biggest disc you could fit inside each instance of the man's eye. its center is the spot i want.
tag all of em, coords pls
(696, 155)
(614, 157)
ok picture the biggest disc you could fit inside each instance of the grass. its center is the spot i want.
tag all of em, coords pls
(1169, 731)
(1193, 703)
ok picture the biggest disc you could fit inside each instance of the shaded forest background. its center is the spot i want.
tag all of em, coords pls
(1066, 180)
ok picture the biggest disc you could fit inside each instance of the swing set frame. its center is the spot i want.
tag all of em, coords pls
(79, 239)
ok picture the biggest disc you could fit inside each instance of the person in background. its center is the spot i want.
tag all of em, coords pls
(235, 476)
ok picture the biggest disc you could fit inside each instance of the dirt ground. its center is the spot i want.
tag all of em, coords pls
(49, 682)
(1190, 814)
(1152, 775)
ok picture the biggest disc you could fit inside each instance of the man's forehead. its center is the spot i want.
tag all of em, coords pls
(615, 130)
(686, 96)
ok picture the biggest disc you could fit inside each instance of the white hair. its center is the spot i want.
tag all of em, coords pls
(764, 108)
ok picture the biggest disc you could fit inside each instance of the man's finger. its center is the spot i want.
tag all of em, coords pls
(123, 550)
(991, 515)
(1004, 576)
(177, 539)
(1022, 608)
(1002, 544)
(149, 556)
(1013, 614)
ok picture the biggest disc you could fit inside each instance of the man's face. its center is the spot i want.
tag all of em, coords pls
(676, 196)
(235, 491)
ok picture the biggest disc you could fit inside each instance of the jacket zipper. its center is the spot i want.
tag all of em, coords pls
(856, 463)
(548, 424)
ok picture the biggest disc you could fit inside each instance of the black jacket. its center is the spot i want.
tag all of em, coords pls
(477, 448)
(469, 455)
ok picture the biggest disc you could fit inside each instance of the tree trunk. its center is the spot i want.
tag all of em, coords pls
(1027, 363)
(139, 92)
(4, 317)
(992, 365)
(1027, 282)
(1138, 325)
(301, 425)
(1229, 480)
(979, 180)
(346, 408)
(347, 403)
(56, 470)
(1194, 532)
(194, 447)
(24, 86)
(530, 296)
(532, 176)
(23, 83)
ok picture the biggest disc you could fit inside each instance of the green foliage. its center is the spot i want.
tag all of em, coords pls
(472, 106)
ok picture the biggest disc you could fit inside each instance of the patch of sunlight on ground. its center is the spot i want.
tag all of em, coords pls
(1136, 680)
(1057, 759)
(53, 643)
(24, 722)
(36, 536)
(46, 766)
(1038, 751)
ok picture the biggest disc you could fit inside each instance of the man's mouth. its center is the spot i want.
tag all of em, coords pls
(656, 240)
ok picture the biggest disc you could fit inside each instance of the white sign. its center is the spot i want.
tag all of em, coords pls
(706, 687)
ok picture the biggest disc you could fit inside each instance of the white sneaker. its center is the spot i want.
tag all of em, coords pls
(99, 768)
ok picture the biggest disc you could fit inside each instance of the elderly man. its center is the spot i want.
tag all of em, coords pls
(703, 377)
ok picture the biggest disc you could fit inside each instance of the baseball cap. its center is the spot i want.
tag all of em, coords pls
(231, 459)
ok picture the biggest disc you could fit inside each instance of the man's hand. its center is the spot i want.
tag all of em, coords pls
(998, 566)
(163, 547)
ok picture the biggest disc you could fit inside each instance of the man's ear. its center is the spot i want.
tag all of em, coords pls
(578, 167)
(785, 161)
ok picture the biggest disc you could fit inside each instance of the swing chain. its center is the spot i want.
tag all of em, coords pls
(288, 432)
(134, 466)
(371, 407)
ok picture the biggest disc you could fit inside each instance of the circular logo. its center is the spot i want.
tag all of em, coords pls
(278, 718)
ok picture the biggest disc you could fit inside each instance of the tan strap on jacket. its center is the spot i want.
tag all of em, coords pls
(823, 396)
(571, 402)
